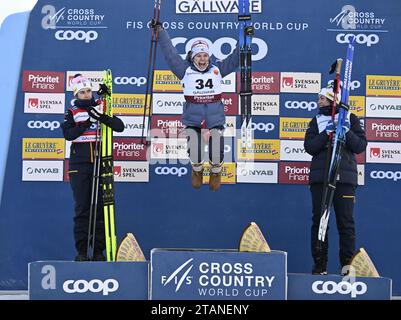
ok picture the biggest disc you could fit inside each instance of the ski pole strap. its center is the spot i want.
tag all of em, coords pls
(344, 106)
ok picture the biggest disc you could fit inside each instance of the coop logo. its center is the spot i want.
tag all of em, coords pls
(133, 81)
(390, 175)
(95, 286)
(174, 171)
(303, 105)
(72, 18)
(214, 6)
(51, 125)
(347, 288)
(368, 39)
(265, 127)
(353, 85)
(80, 35)
(184, 45)
(179, 276)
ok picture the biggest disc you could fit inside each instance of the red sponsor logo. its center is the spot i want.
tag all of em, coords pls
(288, 82)
(33, 102)
(230, 102)
(167, 126)
(294, 172)
(383, 129)
(158, 147)
(129, 149)
(43, 81)
(263, 82)
(375, 152)
(66, 168)
(117, 171)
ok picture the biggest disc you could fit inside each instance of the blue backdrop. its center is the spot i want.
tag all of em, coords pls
(36, 217)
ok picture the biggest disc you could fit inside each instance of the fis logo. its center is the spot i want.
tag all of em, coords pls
(180, 276)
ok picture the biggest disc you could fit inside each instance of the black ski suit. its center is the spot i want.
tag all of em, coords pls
(80, 130)
(316, 144)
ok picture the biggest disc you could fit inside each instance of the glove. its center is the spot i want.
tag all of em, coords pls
(156, 25)
(330, 127)
(103, 90)
(95, 113)
(249, 31)
(346, 125)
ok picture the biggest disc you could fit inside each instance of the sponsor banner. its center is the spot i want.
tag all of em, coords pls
(68, 280)
(383, 85)
(133, 127)
(171, 170)
(168, 103)
(383, 107)
(293, 128)
(262, 149)
(217, 275)
(230, 102)
(293, 150)
(297, 105)
(384, 174)
(168, 149)
(228, 150)
(353, 85)
(228, 173)
(129, 149)
(361, 174)
(228, 83)
(130, 81)
(300, 82)
(383, 129)
(42, 170)
(129, 104)
(262, 127)
(214, 6)
(43, 148)
(43, 81)
(333, 287)
(95, 77)
(43, 126)
(49, 103)
(167, 127)
(294, 172)
(165, 80)
(265, 105)
(357, 105)
(66, 168)
(131, 171)
(230, 127)
(251, 172)
(383, 152)
(262, 82)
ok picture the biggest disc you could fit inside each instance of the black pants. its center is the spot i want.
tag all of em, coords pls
(81, 183)
(343, 203)
(196, 144)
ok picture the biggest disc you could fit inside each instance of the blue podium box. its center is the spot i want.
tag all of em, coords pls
(335, 287)
(204, 274)
(68, 280)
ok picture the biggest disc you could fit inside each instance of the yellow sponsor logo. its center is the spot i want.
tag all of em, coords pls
(261, 149)
(383, 86)
(228, 173)
(43, 148)
(165, 80)
(129, 104)
(293, 128)
(357, 105)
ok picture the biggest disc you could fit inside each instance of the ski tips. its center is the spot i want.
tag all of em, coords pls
(252, 240)
(129, 250)
(336, 66)
(362, 266)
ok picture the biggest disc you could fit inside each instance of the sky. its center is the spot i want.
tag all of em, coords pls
(8, 7)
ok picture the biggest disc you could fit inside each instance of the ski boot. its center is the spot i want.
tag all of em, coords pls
(215, 177)
(197, 175)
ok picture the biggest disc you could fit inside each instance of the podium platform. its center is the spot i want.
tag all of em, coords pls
(183, 274)
(69, 280)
